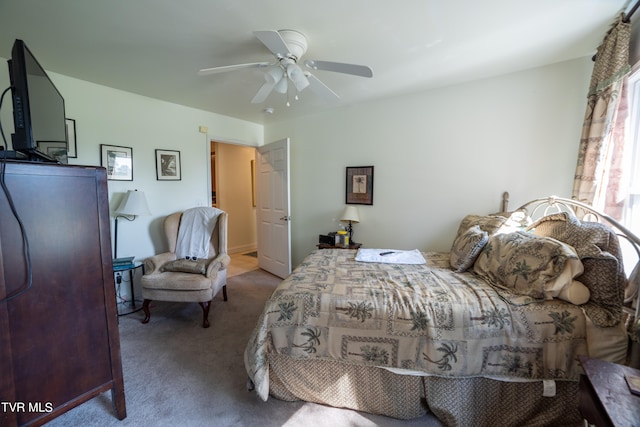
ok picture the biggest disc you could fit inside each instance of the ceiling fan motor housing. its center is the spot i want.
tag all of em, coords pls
(296, 42)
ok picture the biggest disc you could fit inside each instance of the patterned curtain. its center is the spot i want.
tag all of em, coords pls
(600, 164)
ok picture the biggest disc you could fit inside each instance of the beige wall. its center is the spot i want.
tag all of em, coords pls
(438, 155)
(235, 196)
(109, 116)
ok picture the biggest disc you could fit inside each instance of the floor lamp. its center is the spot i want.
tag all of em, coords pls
(133, 204)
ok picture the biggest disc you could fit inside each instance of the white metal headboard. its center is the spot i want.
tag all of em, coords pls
(538, 208)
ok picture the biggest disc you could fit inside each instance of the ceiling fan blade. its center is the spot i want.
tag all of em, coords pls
(273, 41)
(321, 89)
(226, 68)
(339, 67)
(263, 93)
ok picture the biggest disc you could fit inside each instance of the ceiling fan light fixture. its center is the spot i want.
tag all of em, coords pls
(281, 86)
(295, 73)
(274, 75)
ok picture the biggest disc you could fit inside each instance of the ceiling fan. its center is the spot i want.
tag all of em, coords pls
(288, 46)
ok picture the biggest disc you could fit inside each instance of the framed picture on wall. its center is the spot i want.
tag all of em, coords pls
(359, 188)
(118, 161)
(168, 165)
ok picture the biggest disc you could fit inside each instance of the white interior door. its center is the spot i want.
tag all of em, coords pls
(272, 204)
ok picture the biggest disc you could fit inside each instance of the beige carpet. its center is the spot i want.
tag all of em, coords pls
(178, 374)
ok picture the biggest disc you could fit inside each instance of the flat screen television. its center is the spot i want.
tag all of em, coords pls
(38, 109)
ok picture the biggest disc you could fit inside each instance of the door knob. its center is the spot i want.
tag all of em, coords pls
(285, 218)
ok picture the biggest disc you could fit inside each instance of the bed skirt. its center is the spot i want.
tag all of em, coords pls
(455, 402)
(486, 402)
(344, 385)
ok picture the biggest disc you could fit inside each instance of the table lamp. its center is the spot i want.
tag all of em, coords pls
(350, 215)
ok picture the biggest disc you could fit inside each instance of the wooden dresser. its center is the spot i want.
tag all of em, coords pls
(59, 341)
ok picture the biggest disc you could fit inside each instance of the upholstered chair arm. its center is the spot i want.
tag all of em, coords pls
(220, 262)
(154, 263)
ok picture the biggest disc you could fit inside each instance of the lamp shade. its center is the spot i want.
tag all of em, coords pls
(350, 214)
(133, 203)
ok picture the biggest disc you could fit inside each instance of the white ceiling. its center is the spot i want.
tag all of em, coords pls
(155, 47)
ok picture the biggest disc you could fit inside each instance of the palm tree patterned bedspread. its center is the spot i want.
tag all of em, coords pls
(423, 319)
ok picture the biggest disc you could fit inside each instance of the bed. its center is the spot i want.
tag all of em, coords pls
(488, 333)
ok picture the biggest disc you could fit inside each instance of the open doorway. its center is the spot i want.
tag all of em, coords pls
(232, 191)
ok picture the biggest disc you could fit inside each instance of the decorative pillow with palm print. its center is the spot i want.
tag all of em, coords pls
(528, 265)
(466, 248)
(488, 223)
(598, 247)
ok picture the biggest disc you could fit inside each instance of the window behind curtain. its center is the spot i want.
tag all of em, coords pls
(631, 213)
(631, 209)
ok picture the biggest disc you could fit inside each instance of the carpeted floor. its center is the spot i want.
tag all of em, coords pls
(177, 373)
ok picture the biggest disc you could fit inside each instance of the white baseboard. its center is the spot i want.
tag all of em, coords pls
(242, 249)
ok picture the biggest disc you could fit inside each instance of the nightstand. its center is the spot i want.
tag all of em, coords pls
(327, 246)
(605, 398)
(126, 307)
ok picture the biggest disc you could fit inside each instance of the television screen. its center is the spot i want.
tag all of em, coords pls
(38, 109)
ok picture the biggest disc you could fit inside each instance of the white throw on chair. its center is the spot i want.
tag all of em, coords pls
(195, 267)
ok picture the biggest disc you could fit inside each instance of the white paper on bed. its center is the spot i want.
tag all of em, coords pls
(194, 234)
(390, 256)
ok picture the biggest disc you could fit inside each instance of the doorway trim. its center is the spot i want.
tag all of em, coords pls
(208, 185)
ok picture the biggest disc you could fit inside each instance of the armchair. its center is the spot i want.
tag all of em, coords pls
(168, 278)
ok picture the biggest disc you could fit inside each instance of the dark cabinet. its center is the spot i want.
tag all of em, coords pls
(59, 341)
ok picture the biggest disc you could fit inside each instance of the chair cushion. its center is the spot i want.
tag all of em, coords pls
(176, 281)
(186, 266)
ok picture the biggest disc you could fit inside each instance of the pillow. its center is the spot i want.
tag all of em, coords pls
(598, 248)
(526, 264)
(488, 223)
(575, 293)
(186, 266)
(515, 221)
(466, 248)
(555, 287)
